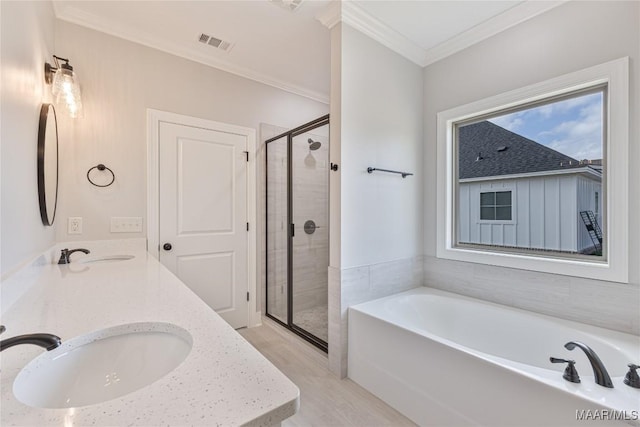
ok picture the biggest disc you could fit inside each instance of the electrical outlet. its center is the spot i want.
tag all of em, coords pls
(74, 225)
(121, 224)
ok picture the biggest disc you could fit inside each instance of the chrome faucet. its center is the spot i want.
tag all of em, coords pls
(46, 341)
(64, 255)
(599, 371)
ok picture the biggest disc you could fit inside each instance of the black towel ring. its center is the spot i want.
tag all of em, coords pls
(101, 167)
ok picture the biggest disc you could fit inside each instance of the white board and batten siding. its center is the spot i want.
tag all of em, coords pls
(545, 213)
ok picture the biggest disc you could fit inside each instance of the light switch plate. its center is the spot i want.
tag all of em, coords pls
(74, 225)
(126, 224)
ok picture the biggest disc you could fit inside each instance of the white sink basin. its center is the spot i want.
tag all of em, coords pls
(102, 365)
(105, 258)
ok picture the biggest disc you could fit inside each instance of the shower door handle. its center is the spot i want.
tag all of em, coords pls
(293, 230)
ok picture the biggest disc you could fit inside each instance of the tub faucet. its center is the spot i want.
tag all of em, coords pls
(632, 379)
(599, 371)
(46, 341)
(65, 253)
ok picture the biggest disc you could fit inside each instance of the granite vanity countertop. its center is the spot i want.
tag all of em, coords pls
(222, 381)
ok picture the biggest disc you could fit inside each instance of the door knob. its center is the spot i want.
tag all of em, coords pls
(167, 246)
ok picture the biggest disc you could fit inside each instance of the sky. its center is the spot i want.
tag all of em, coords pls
(572, 126)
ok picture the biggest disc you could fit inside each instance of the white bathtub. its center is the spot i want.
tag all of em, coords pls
(444, 359)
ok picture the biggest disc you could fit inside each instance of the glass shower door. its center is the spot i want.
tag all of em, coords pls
(297, 232)
(310, 218)
(277, 229)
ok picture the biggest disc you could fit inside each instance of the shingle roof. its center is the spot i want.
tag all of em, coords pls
(522, 155)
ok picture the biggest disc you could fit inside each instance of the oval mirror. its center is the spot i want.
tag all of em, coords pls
(48, 163)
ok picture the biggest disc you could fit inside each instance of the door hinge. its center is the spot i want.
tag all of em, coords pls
(247, 154)
(247, 296)
(247, 226)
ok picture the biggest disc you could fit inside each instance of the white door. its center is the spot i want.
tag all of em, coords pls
(203, 214)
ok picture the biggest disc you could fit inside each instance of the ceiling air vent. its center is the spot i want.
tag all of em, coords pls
(215, 42)
(291, 5)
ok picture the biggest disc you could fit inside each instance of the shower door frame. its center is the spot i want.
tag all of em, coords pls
(308, 336)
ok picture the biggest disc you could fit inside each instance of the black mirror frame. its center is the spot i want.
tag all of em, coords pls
(42, 132)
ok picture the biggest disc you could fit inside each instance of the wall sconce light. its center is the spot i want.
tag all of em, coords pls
(65, 87)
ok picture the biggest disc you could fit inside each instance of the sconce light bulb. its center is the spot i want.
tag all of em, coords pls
(66, 90)
(65, 87)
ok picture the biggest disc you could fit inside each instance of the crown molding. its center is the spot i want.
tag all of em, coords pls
(352, 14)
(330, 15)
(89, 20)
(507, 19)
(356, 17)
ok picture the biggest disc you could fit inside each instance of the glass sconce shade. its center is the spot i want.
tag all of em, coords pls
(66, 90)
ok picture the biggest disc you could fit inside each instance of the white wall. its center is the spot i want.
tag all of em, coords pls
(27, 43)
(377, 96)
(568, 38)
(120, 80)
(335, 129)
(381, 104)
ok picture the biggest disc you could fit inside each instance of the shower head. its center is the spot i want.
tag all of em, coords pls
(313, 145)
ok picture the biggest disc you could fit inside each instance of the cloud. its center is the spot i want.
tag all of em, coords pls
(572, 126)
(545, 111)
(511, 122)
(580, 138)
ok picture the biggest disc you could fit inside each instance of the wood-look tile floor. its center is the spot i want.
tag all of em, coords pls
(325, 400)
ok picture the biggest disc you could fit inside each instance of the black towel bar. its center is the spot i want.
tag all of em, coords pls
(404, 174)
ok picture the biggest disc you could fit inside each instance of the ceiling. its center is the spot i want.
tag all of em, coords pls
(434, 22)
(291, 49)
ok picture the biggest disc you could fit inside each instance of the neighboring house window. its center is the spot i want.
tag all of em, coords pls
(495, 206)
(547, 142)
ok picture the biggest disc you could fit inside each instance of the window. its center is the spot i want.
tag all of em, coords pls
(521, 170)
(552, 150)
(495, 206)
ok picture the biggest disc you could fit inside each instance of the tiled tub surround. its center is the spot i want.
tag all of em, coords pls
(605, 304)
(594, 302)
(223, 380)
(443, 359)
(360, 284)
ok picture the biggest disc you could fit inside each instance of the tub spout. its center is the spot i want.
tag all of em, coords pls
(599, 371)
